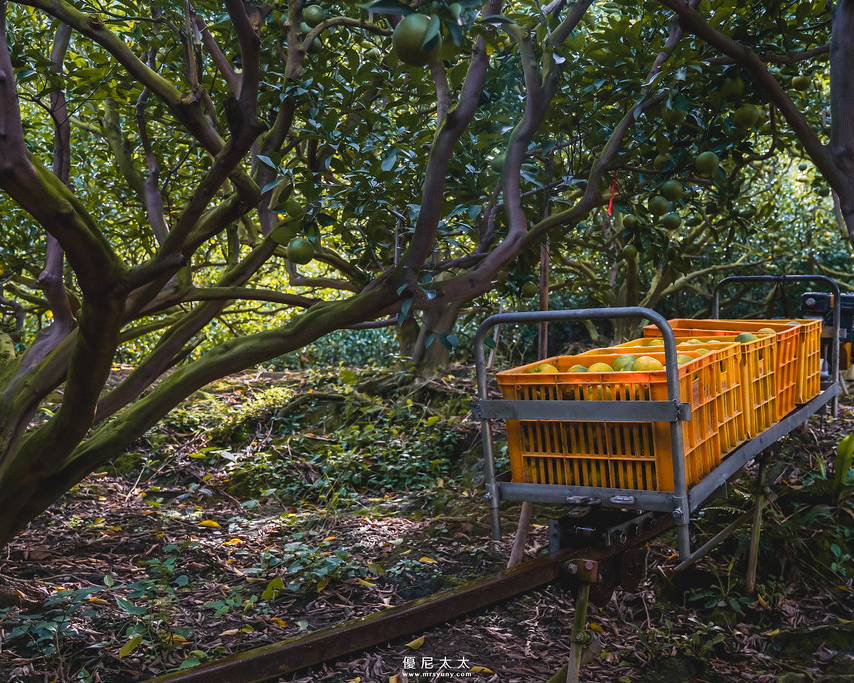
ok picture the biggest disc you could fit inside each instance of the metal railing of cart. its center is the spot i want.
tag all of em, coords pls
(682, 501)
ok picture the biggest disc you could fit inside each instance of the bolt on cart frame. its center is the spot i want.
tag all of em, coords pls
(682, 501)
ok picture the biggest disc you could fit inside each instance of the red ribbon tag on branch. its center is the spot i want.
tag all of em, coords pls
(613, 192)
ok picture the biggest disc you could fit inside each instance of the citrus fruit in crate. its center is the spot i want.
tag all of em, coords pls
(621, 362)
(578, 368)
(647, 364)
(600, 367)
(545, 368)
(745, 337)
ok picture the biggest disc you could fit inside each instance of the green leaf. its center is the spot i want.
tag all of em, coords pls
(285, 232)
(387, 7)
(496, 20)
(130, 646)
(129, 607)
(389, 160)
(273, 588)
(842, 464)
(348, 376)
(189, 663)
(431, 36)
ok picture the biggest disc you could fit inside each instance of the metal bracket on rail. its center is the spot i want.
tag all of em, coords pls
(587, 573)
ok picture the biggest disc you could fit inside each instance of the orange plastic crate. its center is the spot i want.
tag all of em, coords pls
(626, 455)
(807, 365)
(786, 337)
(808, 381)
(732, 414)
(757, 361)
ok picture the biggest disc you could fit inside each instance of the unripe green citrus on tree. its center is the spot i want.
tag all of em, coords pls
(801, 83)
(658, 205)
(745, 116)
(707, 163)
(671, 221)
(629, 252)
(662, 161)
(408, 38)
(529, 289)
(733, 87)
(630, 221)
(496, 163)
(313, 15)
(300, 251)
(673, 190)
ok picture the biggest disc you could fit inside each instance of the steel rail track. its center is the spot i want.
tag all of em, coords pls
(278, 659)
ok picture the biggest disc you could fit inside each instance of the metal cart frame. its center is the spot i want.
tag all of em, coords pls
(682, 501)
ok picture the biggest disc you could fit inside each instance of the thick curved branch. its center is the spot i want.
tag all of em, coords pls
(842, 102)
(447, 135)
(174, 339)
(244, 294)
(248, 37)
(120, 147)
(152, 195)
(51, 280)
(218, 58)
(774, 58)
(232, 356)
(575, 14)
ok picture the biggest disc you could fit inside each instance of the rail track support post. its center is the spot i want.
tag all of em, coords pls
(753, 551)
(587, 573)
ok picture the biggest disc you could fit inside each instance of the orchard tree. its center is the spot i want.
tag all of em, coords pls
(203, 187)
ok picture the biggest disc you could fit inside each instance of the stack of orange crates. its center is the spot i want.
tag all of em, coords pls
(735, 420)
(736, 391)
(629, 455)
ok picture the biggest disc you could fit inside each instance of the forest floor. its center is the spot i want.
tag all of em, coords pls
(274, 504)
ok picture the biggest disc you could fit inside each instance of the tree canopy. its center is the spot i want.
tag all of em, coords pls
(202, 187)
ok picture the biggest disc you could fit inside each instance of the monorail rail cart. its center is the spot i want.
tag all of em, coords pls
(633, 453)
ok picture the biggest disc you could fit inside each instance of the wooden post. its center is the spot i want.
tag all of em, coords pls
(521, 538)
